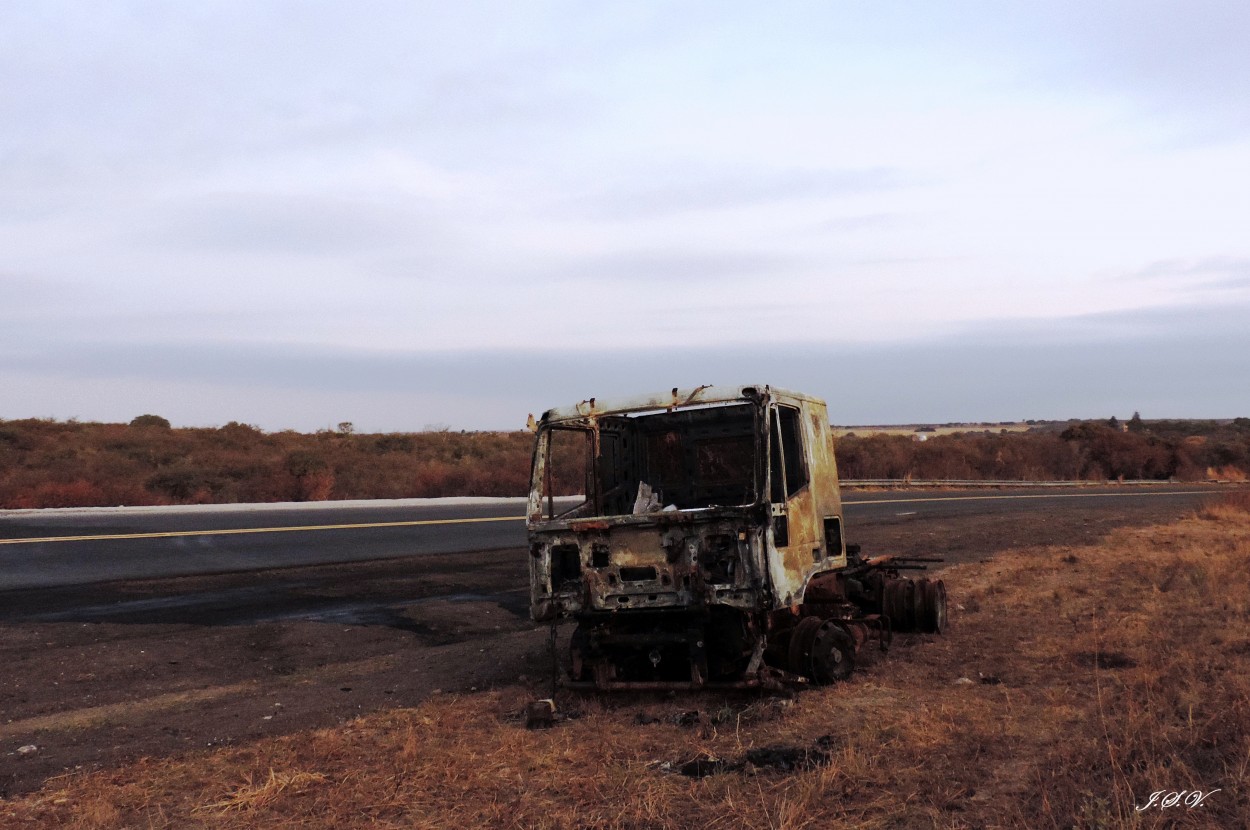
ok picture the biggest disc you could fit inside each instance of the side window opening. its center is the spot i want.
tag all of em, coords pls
(833, 537)
(792, 444)
(786, 458)
(567, 472)
(776, 472)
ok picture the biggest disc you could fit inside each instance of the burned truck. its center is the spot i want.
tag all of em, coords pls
(697, 539)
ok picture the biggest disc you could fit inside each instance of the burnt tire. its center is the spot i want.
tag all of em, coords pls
(832, 654)
(898, 603)
(933, 618)
(919, 604)
(798, 659)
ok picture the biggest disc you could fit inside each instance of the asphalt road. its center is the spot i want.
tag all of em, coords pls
(50, 548)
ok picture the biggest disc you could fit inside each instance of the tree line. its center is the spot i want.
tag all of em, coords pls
(49, 463)
(1082, 451)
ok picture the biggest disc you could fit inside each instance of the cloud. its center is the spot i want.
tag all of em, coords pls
(1183, 64)
(308, 225)
(1196, 278)
(677, 266)
(719, 177)
(1168, 363)
(683, 189)
(1211, 266)
(859, 222)
(158, 91)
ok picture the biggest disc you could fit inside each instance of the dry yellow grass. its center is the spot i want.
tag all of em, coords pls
(1098, 676)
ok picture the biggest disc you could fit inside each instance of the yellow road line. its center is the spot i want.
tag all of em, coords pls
(234, 531)
(427, 522)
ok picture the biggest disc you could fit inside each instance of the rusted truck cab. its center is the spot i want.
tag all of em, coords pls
(691, 533)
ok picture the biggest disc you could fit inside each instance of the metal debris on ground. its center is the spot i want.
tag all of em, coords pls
(705, 765)
(787, 758)
(779, 758)
(540, 714)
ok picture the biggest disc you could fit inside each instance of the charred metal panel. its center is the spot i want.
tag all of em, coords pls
(825, 488)
(614, 567)
(808, 510)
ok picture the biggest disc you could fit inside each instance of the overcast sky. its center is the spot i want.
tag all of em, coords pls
(403, 214)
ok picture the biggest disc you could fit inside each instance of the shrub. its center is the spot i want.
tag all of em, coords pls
(77, 493)
(183, 484)
(152, 421)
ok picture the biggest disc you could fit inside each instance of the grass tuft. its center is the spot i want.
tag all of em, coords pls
(253, 796)
(1232, 505)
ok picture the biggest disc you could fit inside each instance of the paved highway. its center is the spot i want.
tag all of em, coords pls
(49, 548)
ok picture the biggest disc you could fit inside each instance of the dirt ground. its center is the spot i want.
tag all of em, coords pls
(100, 675)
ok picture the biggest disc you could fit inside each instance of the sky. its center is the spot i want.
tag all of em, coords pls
(408, 214)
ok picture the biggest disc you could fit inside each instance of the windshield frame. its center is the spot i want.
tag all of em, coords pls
(543, 501)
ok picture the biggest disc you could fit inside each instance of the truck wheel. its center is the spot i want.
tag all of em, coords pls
(898, 600)
(832, 654)
(933, 620)
(920, 607)
(800, 652)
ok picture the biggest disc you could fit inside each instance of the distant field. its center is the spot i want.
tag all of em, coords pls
(931, 429)
(47, 463)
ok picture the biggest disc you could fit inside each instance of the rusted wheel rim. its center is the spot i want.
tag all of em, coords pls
(932, 618)
(832, 655)
(939, 606)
